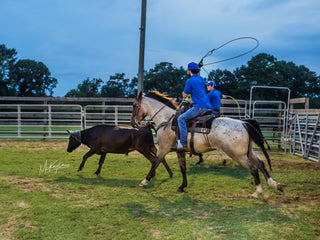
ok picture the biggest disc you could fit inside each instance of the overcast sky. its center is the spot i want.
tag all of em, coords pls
(77, 39)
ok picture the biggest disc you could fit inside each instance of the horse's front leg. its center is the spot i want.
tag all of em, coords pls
(183, 167)
(152, 172)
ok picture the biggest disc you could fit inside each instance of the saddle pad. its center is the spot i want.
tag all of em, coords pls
(196, 130)
(200, 126)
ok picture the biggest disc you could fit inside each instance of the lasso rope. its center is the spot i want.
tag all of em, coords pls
(227, 59)
(236, 103)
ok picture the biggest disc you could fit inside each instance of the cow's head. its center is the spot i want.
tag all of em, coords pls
(74, 140)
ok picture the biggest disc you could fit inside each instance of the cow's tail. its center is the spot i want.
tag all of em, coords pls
(257, 139)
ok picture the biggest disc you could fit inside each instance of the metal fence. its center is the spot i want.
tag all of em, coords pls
(107, 114)
(272, 118)
(38, 120)
(304, 138)
(52, 120)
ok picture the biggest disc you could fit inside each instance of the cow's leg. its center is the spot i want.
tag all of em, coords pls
(85, 157)
(101, 161)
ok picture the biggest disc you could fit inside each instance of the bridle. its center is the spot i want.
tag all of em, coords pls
(137, 109)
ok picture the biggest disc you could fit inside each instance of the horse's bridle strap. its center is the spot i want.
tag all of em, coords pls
(157, 112)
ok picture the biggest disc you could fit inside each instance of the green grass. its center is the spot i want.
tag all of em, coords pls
(66, 204)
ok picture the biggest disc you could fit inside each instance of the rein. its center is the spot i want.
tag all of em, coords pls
(157, 112)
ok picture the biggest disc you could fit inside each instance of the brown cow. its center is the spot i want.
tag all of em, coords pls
(103, 139)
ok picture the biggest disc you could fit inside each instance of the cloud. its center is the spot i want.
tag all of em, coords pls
(98, 38)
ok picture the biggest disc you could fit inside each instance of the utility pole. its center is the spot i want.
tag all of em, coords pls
(142, 45)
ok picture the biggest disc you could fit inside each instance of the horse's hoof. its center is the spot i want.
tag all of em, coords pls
(180, 190)
(280, 187)
(97, 173)
(80, 169)
(255, 195)
(171, 174)
(143, 183)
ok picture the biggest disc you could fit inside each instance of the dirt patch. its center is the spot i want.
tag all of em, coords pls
(7, 229)
(286, 163)
(27, 184)
(35, 145)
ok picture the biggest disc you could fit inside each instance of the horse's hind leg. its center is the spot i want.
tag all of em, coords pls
(164, 162)
(261, 166)
(101, 161)
(200, 158)
(255, 174)
(269, 179)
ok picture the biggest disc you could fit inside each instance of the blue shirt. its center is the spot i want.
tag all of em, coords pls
(195, 87)
(215, 97)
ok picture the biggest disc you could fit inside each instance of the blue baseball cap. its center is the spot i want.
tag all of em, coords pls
(210, 83)
(193, 66)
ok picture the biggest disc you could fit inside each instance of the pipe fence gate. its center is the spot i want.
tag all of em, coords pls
(272, 116)
(305, 135)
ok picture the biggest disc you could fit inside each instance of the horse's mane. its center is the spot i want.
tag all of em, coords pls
(162, 98)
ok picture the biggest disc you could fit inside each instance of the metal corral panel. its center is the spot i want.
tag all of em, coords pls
(39, 120)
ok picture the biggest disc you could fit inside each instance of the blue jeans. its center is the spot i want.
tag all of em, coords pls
(182, 122)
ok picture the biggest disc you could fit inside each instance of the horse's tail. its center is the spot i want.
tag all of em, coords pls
(257, 139)
(256, 125)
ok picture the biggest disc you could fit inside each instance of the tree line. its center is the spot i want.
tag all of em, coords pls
(31, 78)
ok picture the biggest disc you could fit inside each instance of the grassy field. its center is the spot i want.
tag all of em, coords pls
(42, 196)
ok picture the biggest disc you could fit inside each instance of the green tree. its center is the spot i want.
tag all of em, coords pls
(88, 88)
(7, 59)
(302, 81)
(166, 79)
(117, 86)
(31, 78)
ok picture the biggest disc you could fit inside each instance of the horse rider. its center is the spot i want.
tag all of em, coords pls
(195, 86)
(215, 97)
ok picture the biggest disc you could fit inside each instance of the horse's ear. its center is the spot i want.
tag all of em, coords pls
(68, 132)
(139, 96)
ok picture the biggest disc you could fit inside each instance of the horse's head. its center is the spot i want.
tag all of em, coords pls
(74, 140)
(138, 111)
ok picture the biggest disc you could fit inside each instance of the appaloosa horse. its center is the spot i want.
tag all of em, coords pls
(232, 136)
